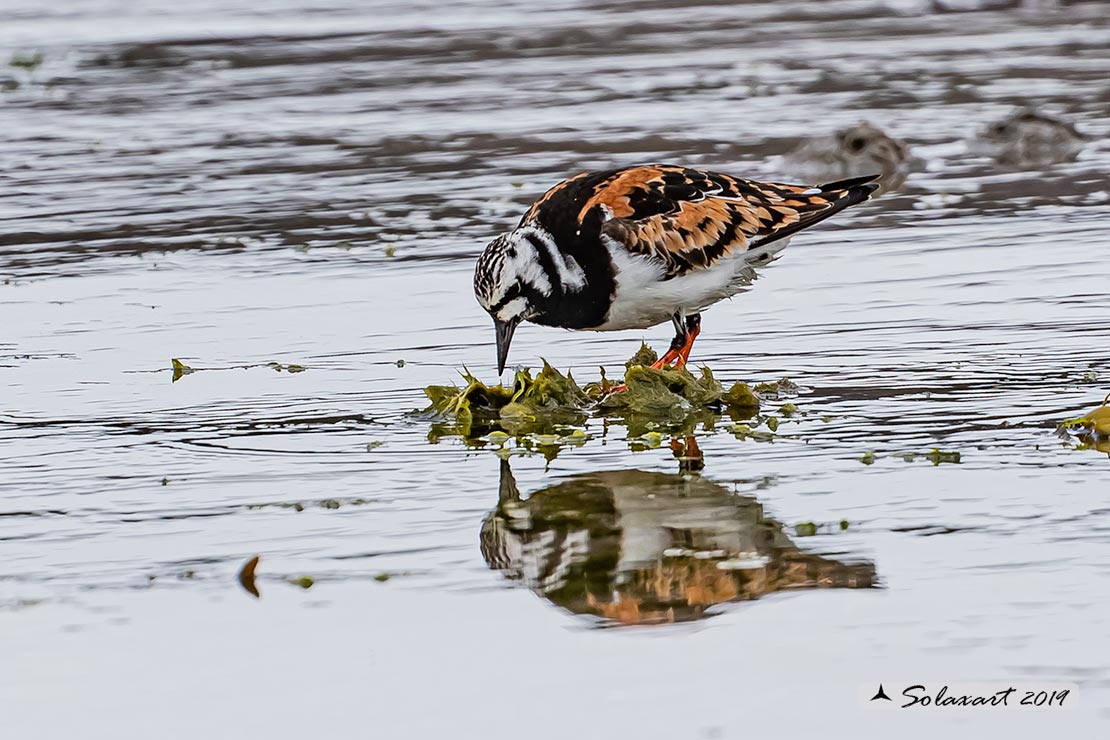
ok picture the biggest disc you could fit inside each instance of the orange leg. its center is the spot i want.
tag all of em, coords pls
(668, 357)
(689, 455)
(683, 342)
(693, 329)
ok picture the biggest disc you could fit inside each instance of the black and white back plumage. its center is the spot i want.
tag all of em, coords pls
(634, 247)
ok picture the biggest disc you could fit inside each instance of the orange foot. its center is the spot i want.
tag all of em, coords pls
(680, 355)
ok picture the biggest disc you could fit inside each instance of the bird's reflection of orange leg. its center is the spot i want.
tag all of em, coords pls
(689, 455)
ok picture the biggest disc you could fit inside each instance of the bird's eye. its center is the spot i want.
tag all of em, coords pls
(856, 144)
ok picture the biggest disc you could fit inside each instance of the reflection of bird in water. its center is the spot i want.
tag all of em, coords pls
(1029, 138)
(642, 548)
(851, 152)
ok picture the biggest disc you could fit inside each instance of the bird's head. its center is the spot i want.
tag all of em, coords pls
(509, 283)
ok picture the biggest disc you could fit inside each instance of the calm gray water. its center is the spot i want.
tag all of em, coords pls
(236, 184)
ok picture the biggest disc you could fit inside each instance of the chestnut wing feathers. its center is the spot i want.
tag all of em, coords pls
(688, 218)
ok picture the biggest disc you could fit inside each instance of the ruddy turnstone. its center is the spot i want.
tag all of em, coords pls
(633, 247)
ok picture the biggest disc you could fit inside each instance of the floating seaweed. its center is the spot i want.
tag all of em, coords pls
(28, 62)
(180, 369)
(936, 456)
(1090, 431)
(548, 411)
(247, 578)
(290, 368)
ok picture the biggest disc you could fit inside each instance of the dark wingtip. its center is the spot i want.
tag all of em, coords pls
(855, 189)
(867, 181)
(848, 193)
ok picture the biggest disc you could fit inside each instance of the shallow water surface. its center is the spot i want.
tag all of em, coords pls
(288, 198)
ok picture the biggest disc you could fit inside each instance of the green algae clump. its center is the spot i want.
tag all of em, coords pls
(937, 456)
(741, 396)
(659, 392)
(805, 529)
(779, 389)
(645, 357)
(1095, 423)
(1092, 430)
(531, 404)
(545, 411)
(180, 369)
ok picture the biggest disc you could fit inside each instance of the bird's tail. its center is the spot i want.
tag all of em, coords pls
(835, 196)
(855, 189)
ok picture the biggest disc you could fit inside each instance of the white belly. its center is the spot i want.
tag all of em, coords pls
(643, 298)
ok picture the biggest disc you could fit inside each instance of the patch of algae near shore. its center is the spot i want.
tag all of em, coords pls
(546, 410)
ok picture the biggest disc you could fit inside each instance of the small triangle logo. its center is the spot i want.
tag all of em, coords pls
(881, 694)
